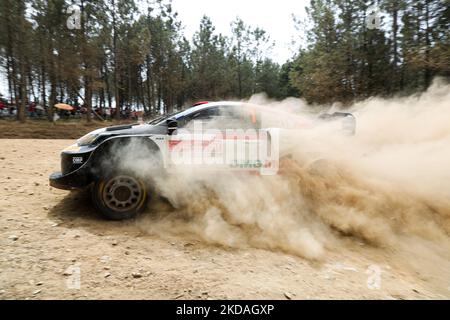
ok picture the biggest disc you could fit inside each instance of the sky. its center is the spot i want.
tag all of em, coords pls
(274, 16)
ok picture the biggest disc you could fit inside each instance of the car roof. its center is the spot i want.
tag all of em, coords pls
(219, 104)
(269, 111)
(208, 105)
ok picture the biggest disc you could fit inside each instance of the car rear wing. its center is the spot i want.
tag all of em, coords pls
(347, 119)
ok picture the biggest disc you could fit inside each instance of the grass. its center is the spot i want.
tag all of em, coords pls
(42, 129)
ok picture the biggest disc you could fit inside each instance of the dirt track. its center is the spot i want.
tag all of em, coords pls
(45, 231)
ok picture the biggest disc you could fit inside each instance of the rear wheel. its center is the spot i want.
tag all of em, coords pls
(120, 196)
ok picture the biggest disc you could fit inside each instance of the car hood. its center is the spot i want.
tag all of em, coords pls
(131, 129)
(95, 137)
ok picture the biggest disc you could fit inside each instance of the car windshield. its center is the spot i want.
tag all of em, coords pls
(176, 115)
(161, 119)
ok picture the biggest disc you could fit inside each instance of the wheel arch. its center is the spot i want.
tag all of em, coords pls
(108, 156)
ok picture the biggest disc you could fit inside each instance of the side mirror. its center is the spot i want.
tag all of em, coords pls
(172, 126)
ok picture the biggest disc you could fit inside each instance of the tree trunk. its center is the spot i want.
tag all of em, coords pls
(87, 78)
(149, 86)
(23, 93)
(22, 67)
(88, 96)
(427, 74)
(394, 77)
(116, 67)
(43, 90)
(52, 99)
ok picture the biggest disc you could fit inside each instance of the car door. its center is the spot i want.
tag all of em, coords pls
(220, 138)
(196, 143)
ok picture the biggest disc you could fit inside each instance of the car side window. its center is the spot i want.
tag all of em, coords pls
(205, 115)
(235, 117)
(223, 117)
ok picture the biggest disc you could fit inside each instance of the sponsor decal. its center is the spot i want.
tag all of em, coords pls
(77, 160)
(245, 149)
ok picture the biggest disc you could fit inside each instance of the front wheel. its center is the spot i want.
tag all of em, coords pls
(120, 196)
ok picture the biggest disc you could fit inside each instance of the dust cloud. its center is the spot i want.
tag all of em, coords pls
(388, 186)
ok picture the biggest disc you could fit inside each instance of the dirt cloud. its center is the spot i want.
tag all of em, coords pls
(387, 186)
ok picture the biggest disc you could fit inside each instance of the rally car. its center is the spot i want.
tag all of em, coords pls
(120, 162)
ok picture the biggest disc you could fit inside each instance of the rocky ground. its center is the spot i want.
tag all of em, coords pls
(55, 246)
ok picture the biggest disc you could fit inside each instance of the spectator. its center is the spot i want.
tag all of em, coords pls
(127, 112)
(32, 109)
(3, 108)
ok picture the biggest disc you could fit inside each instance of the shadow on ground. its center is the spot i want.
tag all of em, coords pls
(76, 210)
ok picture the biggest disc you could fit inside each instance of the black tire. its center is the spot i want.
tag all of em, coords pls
(120, 196)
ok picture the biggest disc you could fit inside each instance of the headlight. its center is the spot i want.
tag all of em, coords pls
(73, 148)
(87, 139)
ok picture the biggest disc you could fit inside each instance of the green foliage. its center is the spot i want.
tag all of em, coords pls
(121, 56)
(345, 60)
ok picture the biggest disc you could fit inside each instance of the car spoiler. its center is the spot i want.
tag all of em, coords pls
(348, 120)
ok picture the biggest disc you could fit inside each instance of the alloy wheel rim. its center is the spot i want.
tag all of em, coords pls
(122, 193)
